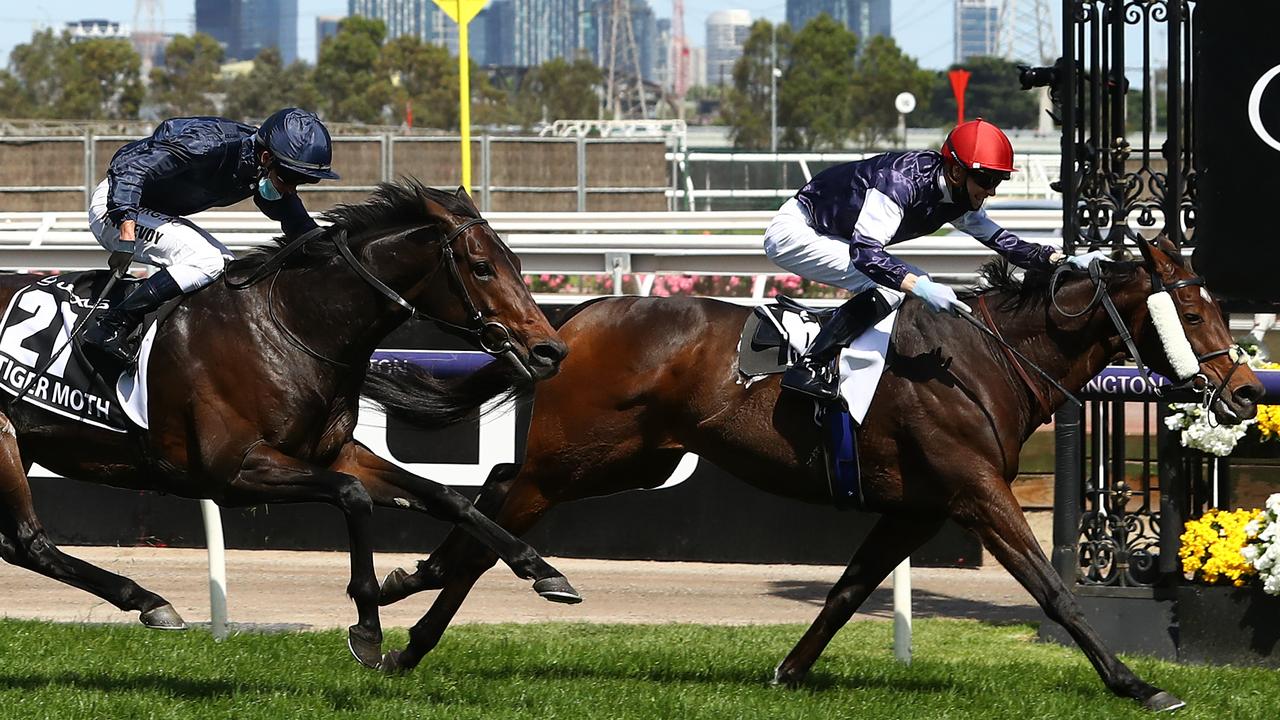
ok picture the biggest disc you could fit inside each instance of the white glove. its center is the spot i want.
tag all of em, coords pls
(1082, 262)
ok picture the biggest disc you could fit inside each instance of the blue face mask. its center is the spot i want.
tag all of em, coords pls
(268, 190)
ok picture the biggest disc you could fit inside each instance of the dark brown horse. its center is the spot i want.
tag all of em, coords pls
(254, 392)
(650, 379)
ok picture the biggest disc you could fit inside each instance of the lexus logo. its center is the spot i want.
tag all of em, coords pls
(1255, 104)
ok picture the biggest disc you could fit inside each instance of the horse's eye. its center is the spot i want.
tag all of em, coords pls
(482, 270)
(1192, 318)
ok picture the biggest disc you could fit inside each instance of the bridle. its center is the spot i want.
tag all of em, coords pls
(1198, 382)
(492, 336)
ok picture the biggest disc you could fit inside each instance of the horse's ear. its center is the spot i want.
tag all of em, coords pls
(461, 194)
(1170, 250)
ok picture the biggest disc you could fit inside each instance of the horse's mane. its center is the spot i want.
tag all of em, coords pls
(997, 278)
(392, 205)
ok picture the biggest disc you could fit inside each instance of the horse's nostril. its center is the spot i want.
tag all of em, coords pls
(1250, 393)
(549, 353)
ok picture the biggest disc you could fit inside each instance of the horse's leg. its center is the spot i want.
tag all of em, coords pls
(432, 572)
(446, 504)
(268, 475)
(891, 540)
(516, 497)
(993, 513)
(23, 542)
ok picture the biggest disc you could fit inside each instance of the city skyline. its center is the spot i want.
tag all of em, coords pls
(923, 28)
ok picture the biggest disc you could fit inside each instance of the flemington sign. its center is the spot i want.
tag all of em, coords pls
(1126, 383)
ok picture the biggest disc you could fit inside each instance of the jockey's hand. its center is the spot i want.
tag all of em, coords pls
(127, 229)
(939, 297)
(1082, 262)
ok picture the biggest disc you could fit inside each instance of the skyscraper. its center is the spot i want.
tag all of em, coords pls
(246, 27)
(221, 20)
(863, 17)
(326, 27)
(268, 23)
(977, 28)
(422, 19)
(726, 34)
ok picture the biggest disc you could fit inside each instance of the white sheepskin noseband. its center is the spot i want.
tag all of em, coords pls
(1176, 346)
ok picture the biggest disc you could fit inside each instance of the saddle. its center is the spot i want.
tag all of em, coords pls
(775, 336)
(34, 336)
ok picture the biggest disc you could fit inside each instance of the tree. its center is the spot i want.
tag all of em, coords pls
(100, 80)
(184, 85)
(425, 75)
(270, 86)
(746, 108)
(53, 77)
(884, 71)
(351, 85)
(559, 90)
(993, 94)
(815, 97)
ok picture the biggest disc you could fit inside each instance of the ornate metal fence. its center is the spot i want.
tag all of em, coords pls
(1123, 487)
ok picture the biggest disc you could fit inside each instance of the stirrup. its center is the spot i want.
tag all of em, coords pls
(813, 380)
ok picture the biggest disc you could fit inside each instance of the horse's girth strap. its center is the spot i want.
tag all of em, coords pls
(1013, 360)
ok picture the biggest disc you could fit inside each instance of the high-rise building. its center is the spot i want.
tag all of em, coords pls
(697, 66)
(864, 17)
(95, 30)
(422, 19)
(545, 29)
(268, 23)
(727, 32)
(491, 32)
(221, 20)
(247, 27)
(326, 27)
(977, 26)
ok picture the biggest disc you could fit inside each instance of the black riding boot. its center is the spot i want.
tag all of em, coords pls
(815, 373)
(107, 340)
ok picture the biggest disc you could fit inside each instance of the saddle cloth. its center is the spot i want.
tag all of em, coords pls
(38, 324)
(776, 335)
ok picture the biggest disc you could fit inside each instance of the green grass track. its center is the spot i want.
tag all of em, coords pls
(962, 669)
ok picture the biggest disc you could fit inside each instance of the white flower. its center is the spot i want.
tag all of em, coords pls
(1264, 554)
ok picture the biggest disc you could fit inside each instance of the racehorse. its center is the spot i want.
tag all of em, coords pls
(650, 379)
(254, 390)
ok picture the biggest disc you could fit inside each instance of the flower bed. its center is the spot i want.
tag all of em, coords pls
(1239, 623)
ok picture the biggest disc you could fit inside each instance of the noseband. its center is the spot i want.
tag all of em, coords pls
(1199, 382)
(492, 336)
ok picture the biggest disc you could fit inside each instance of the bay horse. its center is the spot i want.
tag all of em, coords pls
(650, 379)
(254, 388)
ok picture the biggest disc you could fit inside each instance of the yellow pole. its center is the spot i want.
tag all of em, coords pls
(464, 88)
(462, 12)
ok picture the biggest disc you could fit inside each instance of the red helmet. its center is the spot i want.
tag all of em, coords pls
(979, 145)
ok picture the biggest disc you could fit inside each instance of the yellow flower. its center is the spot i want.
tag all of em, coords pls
(1269, 422)
(1211, 547)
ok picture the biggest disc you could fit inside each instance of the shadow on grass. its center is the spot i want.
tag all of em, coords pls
(212, 689)
(923, 604)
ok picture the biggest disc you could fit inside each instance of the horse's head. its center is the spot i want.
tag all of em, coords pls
(1192, 341)
(449, 266)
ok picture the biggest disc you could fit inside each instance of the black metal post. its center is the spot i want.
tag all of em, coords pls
(1068, 489)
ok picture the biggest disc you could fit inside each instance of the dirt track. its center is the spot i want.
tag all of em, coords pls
(307, 589)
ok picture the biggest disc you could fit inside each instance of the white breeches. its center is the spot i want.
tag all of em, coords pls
(796, 247)
(194, 257)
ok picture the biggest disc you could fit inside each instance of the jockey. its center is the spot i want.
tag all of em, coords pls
(186, 166)
(837, 226)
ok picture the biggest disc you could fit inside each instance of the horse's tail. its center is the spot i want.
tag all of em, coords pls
(413, 395)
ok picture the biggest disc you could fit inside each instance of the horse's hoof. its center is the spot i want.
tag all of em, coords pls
(391, 665)
(163, 618)
(557, 589)
(365, 645)
(1163, 702)
(394, 588)
(782, 679)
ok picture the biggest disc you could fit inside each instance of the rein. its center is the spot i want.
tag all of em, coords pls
(492, 336)
(1200, 381)
(1045, 407)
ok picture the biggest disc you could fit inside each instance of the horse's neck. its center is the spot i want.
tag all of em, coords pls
(1070, 350)
(334, 311)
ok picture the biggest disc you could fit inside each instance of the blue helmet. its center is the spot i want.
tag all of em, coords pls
(300, 143)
